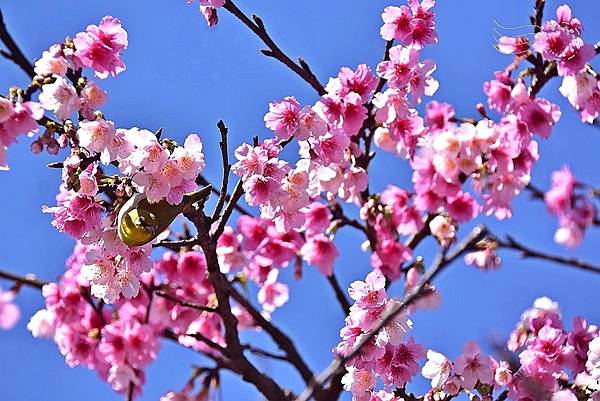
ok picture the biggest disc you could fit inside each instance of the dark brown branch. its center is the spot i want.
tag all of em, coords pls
(280, 338)
(441, 261)
(527, 252)
(182, 302)
(257, 26)
(201, 180)
(538, 15)
(14, 53)
(339, 294)
(262, 352)
(176, 245)
(238, 191)
(226, 169)
(235, 352)
(29, 280)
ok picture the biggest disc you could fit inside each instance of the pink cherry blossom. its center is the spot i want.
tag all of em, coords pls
(9, 312)
(60, 97)
(320, 252)
(283, 117)
(99, 47)
(272, 294)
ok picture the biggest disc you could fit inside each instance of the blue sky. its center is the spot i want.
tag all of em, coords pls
(185, 77)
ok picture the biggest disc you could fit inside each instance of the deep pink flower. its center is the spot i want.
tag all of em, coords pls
(398, 70)
(283, 117)
(99, 47)
(362, 81)
(321, 252)
(75, 214)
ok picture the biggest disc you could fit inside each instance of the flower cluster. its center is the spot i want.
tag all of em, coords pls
(548, 352)
(16, 118)
(575, 211)
(119, 341)
(388, 355)
(560, 41)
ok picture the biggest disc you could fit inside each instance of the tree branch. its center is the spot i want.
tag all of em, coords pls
(527, 252)
(14, 52)
(181, 302)
(257, 26)
(339, 293)
(30, 280)
(226, 169)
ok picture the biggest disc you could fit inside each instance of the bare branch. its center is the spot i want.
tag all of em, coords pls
(258, 27)
(339, 293)
(14, 53)
(201, 180)
(30, 280)
(527, 252)
(226, 169)
(182, 302)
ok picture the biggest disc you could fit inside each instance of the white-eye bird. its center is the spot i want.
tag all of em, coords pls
(140, 221)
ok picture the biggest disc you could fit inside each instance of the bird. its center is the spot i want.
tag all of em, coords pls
(139, 221)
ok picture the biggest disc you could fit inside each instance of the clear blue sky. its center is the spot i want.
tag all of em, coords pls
(184, 77)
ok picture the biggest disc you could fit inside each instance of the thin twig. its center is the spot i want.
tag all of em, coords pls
(226, 169)
(14, 52)
(413, 295)
(280, 338)
(258, 27)
(527, 252)
(238, 191)
(182, 302)
(201, 180)
(339, 294)
(262, 352)
(176, 245)
(30, 280)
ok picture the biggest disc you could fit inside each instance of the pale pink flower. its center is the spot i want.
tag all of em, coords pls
(22, 120)
(472, 366)
(370, 293)
(152, 185)
(9, 312)
(120, 377)
(362, 81)
(42, 324)
(503, 375)
(437, 369)
(52, 62)
(443, 229)
(358, 381)
(60, 97)
(398, 70)
(272, 294)
(92, 98)
(96, 135)
(189, 158)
